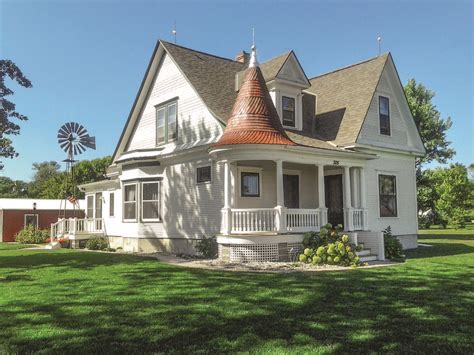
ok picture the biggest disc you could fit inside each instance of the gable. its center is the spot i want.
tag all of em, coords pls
(403, 132)
(343, 98)
(195, 122)
(291, 71)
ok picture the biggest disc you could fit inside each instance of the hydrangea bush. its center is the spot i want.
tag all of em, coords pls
(32, 235)
(329, 246)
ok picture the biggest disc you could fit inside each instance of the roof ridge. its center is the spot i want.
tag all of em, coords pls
(386, 54)
(200, 52)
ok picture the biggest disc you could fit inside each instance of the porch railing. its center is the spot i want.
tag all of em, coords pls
(73, 226)
(248, 220)
(303, 220)
(356, 219)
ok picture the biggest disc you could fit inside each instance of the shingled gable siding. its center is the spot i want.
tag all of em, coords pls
(370, 132)
(195, 122)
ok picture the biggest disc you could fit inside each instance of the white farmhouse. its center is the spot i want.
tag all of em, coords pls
(258, 154)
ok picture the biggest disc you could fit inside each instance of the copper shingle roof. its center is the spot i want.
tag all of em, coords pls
(254, 119)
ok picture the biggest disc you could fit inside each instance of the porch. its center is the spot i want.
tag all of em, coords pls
(284, 197)
(76, 229)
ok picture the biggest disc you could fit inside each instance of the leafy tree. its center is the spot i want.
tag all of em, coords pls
(448, 192)
(431, 126)
(13, 188)
(85, 171)
(7, 108)
(43, 172)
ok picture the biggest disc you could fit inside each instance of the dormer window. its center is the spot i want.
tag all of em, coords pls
(288, 111)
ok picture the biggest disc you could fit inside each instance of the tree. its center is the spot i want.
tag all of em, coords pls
(7, 108)
(85, 171)
(13, 188)
(44, 171)
(431, 126)
(448, 192)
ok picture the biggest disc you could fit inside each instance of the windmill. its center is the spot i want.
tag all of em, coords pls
(74, 139)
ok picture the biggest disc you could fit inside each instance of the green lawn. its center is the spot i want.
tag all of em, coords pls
(71, 301)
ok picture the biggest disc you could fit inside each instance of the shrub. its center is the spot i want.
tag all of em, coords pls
(97, 243)
(207, 247)
(458, 219)
(393, 247)
(31, 235)
(329, 246)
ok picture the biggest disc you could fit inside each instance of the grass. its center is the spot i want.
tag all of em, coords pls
(14, 246)
(73, 301)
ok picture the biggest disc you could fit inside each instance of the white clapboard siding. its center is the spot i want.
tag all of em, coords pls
(195, 122)
(403, 167)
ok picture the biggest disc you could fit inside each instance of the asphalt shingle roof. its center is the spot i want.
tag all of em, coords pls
(343, 95)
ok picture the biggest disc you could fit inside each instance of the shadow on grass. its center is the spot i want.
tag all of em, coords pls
(131, 305)
(439, 249)
(421, 237)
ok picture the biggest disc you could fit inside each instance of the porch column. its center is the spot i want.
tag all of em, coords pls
(348, 220)
(363, 199)
(323, 211)
(226, 225)
(280, 217)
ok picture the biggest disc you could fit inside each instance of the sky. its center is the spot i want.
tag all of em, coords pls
(86, 59)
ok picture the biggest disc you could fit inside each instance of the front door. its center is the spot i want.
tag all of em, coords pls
(334, 204)
(291, 187)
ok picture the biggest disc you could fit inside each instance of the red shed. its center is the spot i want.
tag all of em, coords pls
(16, 213)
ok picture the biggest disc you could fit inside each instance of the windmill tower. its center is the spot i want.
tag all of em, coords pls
(74, 139)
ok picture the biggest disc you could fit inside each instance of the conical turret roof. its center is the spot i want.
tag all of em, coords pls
(254, 119)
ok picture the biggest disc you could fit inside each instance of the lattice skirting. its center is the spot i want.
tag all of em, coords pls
(259, 252)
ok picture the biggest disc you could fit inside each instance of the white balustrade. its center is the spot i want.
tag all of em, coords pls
(249, 220)
(358, 217)
(73, 226)
(303, 220)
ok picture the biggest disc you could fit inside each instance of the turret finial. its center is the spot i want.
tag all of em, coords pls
(253, 57)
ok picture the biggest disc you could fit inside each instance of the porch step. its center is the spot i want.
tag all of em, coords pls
(363, 252)
(366, 258)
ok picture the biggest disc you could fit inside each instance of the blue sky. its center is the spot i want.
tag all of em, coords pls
(86, 59)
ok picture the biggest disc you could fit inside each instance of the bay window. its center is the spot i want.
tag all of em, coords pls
(150, 201)
(130, 202)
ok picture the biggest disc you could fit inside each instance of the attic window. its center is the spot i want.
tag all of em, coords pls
(288, 109)
(384, 115)
(166, 123)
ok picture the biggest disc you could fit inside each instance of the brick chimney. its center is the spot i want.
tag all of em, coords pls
(243, 57)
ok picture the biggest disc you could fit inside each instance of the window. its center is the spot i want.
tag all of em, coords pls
(130, 202)
(98, 205)
(203, 174)
(150, 201)
(250, 184)
(166, 123)
(388, 195)
(90, 206)
(112, 204)
(31, 219)
(288, 109)
(384, 115)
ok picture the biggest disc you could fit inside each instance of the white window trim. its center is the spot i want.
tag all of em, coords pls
(158, 201)
(295, 98)
(137, 194)
(250, 169)
(381, 94)
(165, 105)
(93, 205)
(298, 173)
(389, 173)
(110, 204)
(28, 215)
(204, 165)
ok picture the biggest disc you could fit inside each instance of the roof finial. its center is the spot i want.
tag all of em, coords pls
(174, 32)
(253, 56)
(379, 40)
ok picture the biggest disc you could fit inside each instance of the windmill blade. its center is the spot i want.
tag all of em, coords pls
(75, 149)
(80, 148)
(66, 146)
(63, 132)
(88, 141)
(82, 132)
(70, 127)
